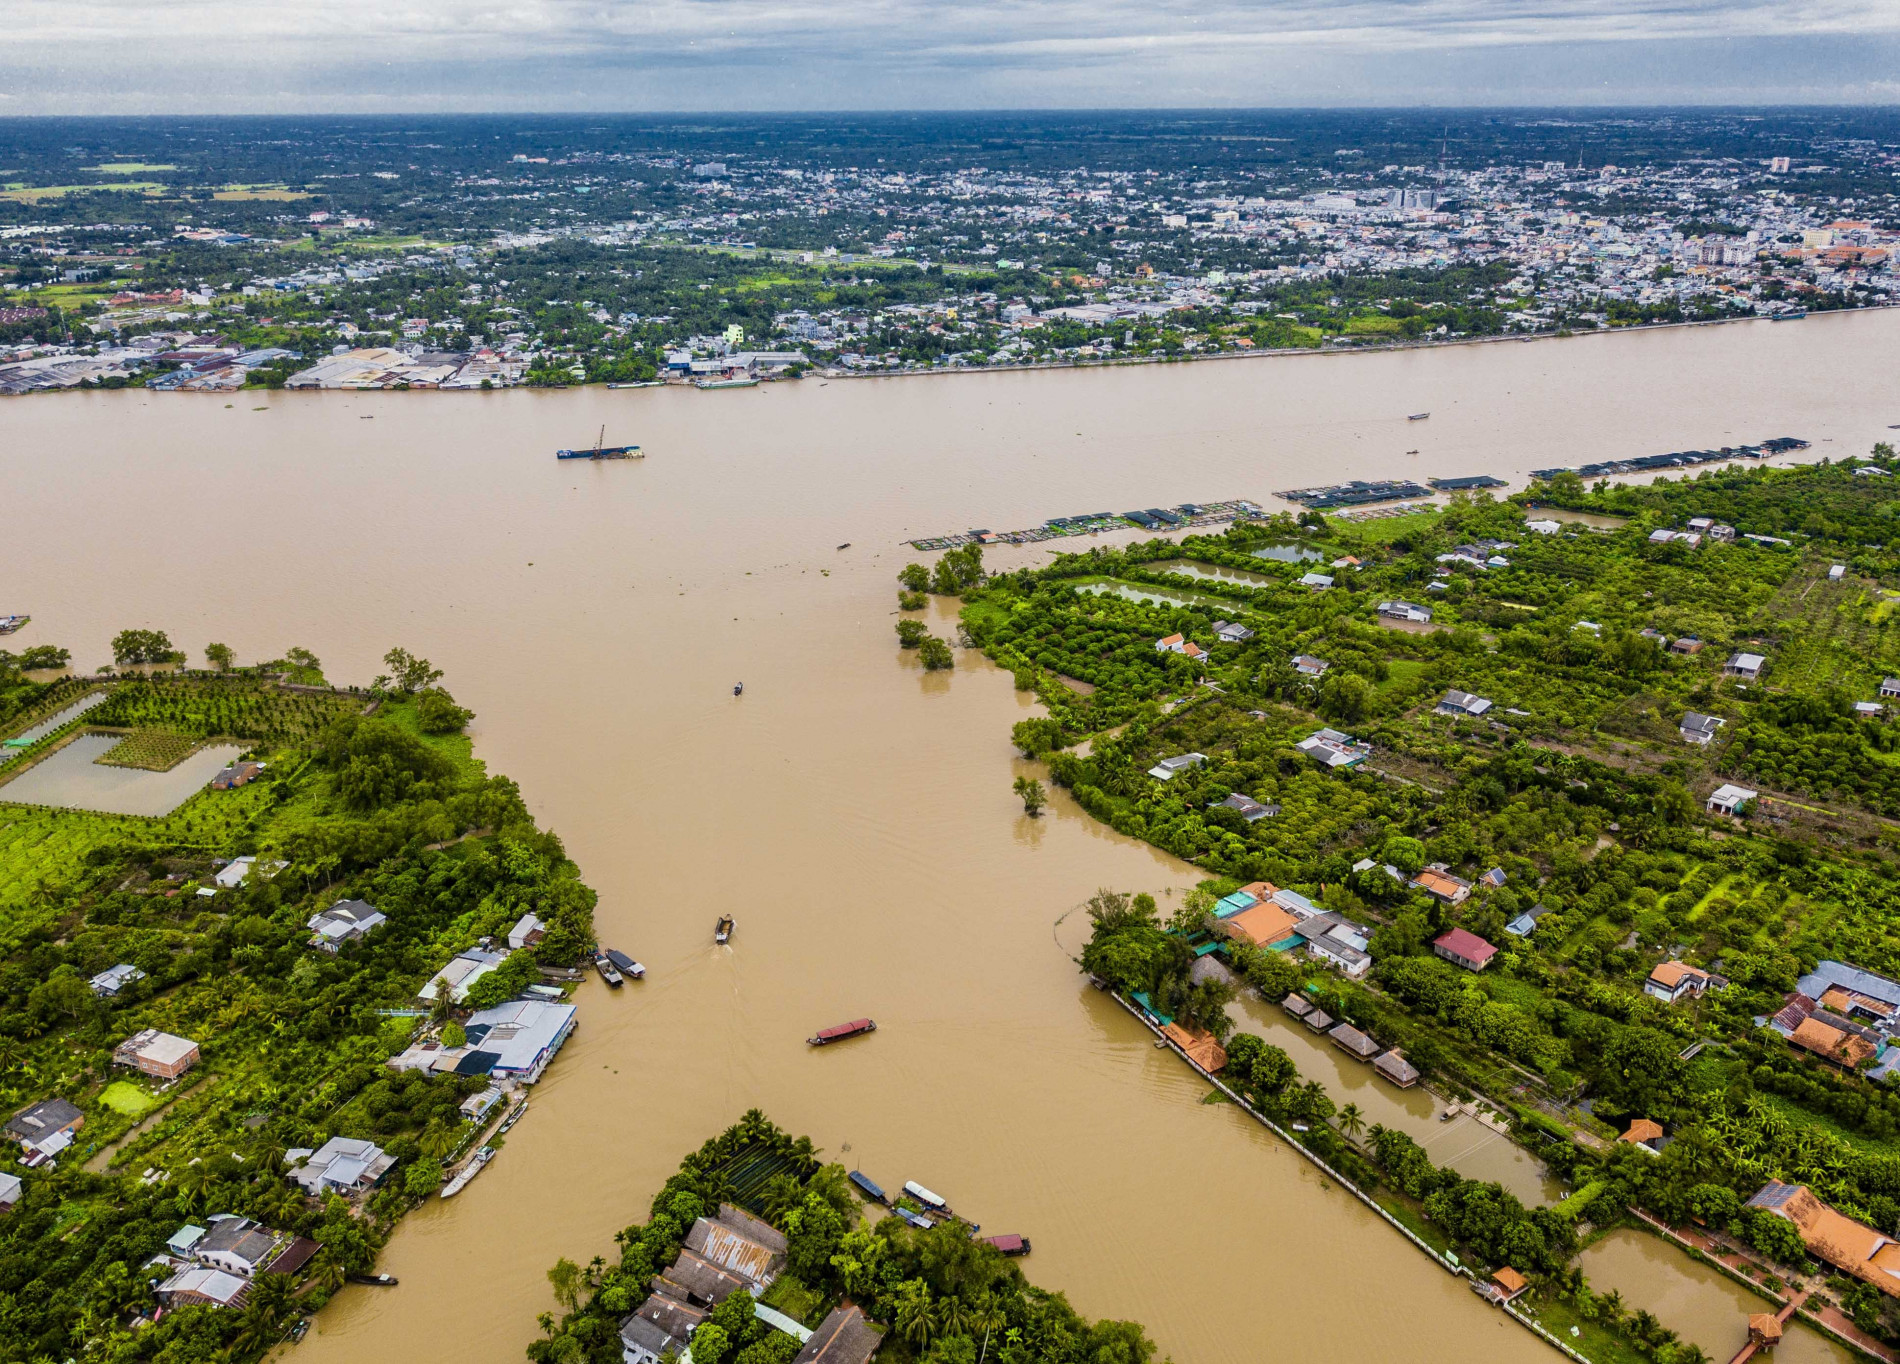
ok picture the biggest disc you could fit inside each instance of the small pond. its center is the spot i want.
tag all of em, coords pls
(1188, 568)
(1154, 596)
(73, 779)
(53, 722)
(1288, 554)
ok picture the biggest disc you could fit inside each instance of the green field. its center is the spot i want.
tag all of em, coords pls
(122, 1096)
(150, 750)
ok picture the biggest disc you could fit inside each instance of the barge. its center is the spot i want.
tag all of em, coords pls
(857, 1027)
(868, 1188)
(1010, 1244)
(602, 451)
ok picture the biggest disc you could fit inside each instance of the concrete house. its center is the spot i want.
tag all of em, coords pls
(1165, 769)
(1406, 611)
(463, 970)
(1308, 666)
(1831, 1236)
(158, 1054)
(1890, 687)
(527, 932)
(1231, 632)
(516, 1041)
(1464, 948)
(1730, 799)
(1745, 665)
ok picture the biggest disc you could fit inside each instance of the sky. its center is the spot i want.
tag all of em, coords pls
(395, 56)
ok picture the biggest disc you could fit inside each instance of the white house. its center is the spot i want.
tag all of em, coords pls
(342, 1165)
(1308, 666)
(528, 931)
(1674, 980)
(1406, 611)
(1729, 800)
(1543, 527)
(516, 1040)
(463, 970)
(1231, 632)
(1330, 748)
(1745, 665)
(1167, 767)
(1318, 581)
(109, 982)
(343, 922)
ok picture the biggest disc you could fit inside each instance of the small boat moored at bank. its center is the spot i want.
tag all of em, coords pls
(625, 964)
(469, 1171)
(606, 968)
(869, 1189)
(921, 1223)
(1010, 1243)
(374, 1280)
(925, 1197)
(722, 931)
(857, 1027)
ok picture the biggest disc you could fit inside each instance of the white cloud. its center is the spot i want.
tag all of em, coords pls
(113, 55)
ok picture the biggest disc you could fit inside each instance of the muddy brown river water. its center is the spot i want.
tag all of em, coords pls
(853, 814)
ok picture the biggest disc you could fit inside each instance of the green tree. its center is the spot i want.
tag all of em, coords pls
(1351, 1121)
(1036, 736)
(915, 578)
(412, 674)
(1032, 795)
(936, 654)
(711, 1344)
(912, 633)
(437, 713)
(454, 1034)
(222, 657)
(141, 646)
(565, 1278)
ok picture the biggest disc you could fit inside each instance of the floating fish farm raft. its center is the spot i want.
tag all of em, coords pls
(1354, 494)
(1188, 514)
(1680, 459)
(1459, 485)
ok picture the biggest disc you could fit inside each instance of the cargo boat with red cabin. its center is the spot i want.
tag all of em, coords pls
(857, 1027)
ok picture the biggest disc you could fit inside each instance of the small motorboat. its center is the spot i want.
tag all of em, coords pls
(374, 1280)
(738, 689)
(625, 964)
(1418, 416)
(722, 931)
(300, 1330)
(607, 970)
(845, 545)
(1411, 452)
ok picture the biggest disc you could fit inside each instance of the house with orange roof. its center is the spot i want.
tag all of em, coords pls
(1674, 980)
(1201, 1046)
(1843, 1048)
(1646, 1134)
(1850, 1246)
(1264, 925)
(1438, 882)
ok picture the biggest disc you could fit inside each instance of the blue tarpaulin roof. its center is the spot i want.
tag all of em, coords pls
(1234, 904)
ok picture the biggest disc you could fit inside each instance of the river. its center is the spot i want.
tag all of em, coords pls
(854, 814)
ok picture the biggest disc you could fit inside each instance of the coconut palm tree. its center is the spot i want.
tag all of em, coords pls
(913, 1317)
(1351, 1121)
(953, 1316)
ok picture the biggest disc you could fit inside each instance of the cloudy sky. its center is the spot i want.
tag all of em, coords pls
(158, 56)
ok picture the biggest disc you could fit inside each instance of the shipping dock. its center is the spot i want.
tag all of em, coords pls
(1680, 459)
(1188, 514)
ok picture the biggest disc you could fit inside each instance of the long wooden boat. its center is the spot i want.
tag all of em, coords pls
(1010, 1243)
(606, 968)
(857, 1027)
(722, 931)
(868, 1188)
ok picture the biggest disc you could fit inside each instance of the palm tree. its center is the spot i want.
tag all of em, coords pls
(953, 1317)
(1351, 1121)
(913, 1316)
(1612, 1304)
